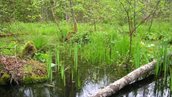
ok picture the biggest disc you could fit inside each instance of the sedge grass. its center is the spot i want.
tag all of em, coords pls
(49, 69)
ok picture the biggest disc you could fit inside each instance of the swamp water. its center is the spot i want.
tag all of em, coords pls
(91, 79)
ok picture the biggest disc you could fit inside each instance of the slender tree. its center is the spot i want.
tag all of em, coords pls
(75, 27)
(129, 7)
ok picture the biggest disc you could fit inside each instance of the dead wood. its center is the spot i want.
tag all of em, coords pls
(119, 84)
(10, 35)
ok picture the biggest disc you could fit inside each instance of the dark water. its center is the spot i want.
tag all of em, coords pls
(91, 80)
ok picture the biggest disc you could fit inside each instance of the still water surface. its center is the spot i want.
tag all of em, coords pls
(92, 79)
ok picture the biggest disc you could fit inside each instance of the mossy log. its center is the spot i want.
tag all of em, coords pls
(119, 84)
(20, 71)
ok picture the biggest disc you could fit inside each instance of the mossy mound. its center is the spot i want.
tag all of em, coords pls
(19, 71)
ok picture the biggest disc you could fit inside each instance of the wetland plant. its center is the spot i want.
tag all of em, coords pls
(49, 68)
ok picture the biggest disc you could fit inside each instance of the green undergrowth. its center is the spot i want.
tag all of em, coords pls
(109, 45)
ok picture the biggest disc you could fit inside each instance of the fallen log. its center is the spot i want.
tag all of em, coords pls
(119, 84)
(10, 35)
(135, 86)
(7, 35)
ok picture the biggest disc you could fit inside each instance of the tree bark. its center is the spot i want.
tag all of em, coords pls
(119, 84)
(75, 26)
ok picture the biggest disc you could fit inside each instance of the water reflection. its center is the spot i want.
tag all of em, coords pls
(90, 84)
(143, 88)
(147, 91)
(91, 87)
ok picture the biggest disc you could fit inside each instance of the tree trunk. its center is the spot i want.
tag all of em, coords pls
(135, 86)
(75, 26)
(119, 84)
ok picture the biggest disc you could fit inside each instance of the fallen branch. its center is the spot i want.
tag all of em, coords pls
(119, 84)
(135, 86)
(10, 35)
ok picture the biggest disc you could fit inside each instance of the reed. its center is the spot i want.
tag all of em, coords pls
(75, 57)
(49, 68)
(62, 72)
(170, 79)
(57, 57)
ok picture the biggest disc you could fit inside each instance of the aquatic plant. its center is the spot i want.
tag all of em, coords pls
(49, 68)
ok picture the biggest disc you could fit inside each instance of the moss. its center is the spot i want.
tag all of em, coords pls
(30, 71)
(29, 50)
(4, 79)
(34, 72)
(34, 79)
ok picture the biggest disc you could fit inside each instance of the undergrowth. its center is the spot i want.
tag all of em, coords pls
(109, 45)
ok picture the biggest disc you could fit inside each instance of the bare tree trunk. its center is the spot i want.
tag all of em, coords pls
(75, 27)
(66, 11)
(119, 84)
(95, 26)
(53, 12)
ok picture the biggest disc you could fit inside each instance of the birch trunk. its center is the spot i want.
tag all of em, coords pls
(119, 84)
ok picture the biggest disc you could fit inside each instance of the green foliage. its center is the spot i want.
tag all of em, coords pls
(107, 46)
(102, 37)
(104, 42)
(107, 11)
(42, 57)
(7, 10)
(27, 10)
(40, 42)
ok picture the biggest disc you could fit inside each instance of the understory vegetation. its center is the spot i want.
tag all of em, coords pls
(107, 46)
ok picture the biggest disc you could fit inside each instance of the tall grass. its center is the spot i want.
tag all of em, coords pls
(109, 45)
(58, 58)
(163, 67)
(137, 54)
(76, 57)
(170, 78)
(62, 72)
(49, 68)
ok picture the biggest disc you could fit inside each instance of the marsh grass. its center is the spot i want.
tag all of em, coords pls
(170, 79)
(49, 68)
(63, 76)
(75, 57)
(163, 67)
(106, 45)
(58, 58)
(137, 54)
(109, 45)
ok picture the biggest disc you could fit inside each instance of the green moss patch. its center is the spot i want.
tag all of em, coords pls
(16, 70)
